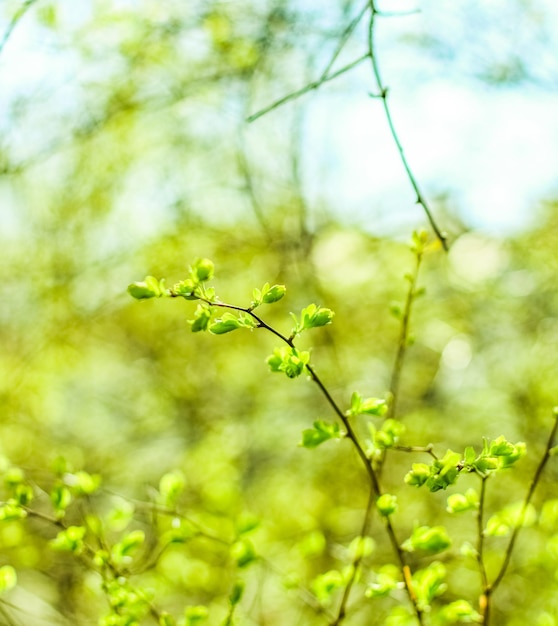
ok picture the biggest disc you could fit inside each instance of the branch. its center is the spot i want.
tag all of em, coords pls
(376, 490)
(304, 90)
(484, 604)
(534, 482)
(326, 75)
(404, 334)
(343, 39)
(383, 95)
(341, 613)
(429, 449)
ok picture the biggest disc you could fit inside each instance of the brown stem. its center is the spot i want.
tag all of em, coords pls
(376, 490)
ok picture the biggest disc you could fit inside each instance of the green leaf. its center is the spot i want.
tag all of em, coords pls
(373, 406)
(257, 296)
(313, 544)
(23, 494)
(368, 406)
(247, 321)
(273, 294)
(288, 360)
(11, 511)
(166, 619)
(484, 465)
(246, 523)
(236, 593)
(469, 455)
(459, 502)
(428, 539)
(418, 475)
(312, 316)
(429, 583)
(195, 615)
(181, 531)
(185, 289)
(13, 477)
(243, 553)
(120, 516)
(225, 324)
(82, 483)
(386, 504)
(440, 475)
(202, 270)
(400, 616)
(171, 486)
(202, 317)
(322, 431)
(150, 287)
(8, 578)
(502, 522)
(70, 540)
(459, 611)
(396, 309)
(419, 241)
(468, 549)
(501, 447)
(128, 545)
(361, 547)
(387, 579)
(389, 434)
(325, 585)
(508, 460)
(61, 498)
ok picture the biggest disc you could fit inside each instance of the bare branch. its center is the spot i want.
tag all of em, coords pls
(383, 95)
(304, 90)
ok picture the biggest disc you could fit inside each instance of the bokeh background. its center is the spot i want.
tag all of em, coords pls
(125, 151)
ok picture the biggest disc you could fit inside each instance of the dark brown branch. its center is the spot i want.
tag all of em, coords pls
(376, 490)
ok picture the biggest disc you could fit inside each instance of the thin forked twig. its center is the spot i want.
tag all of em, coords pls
(382, 94)
(326, 74)
(343, 39)
(304, 90)
(490, 588)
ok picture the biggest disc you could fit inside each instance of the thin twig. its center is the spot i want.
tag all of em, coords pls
(15, 19)
(304, 90)
(397, 13)
(404, 336)
(341, 613)
(394, 392)
(326, 75)
(429, 449)
(534, 482)
(345, 36)
(383, 95)
(484, 605)
(350, 434)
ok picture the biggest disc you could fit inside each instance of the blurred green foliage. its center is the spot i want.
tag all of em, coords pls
(152, 475)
